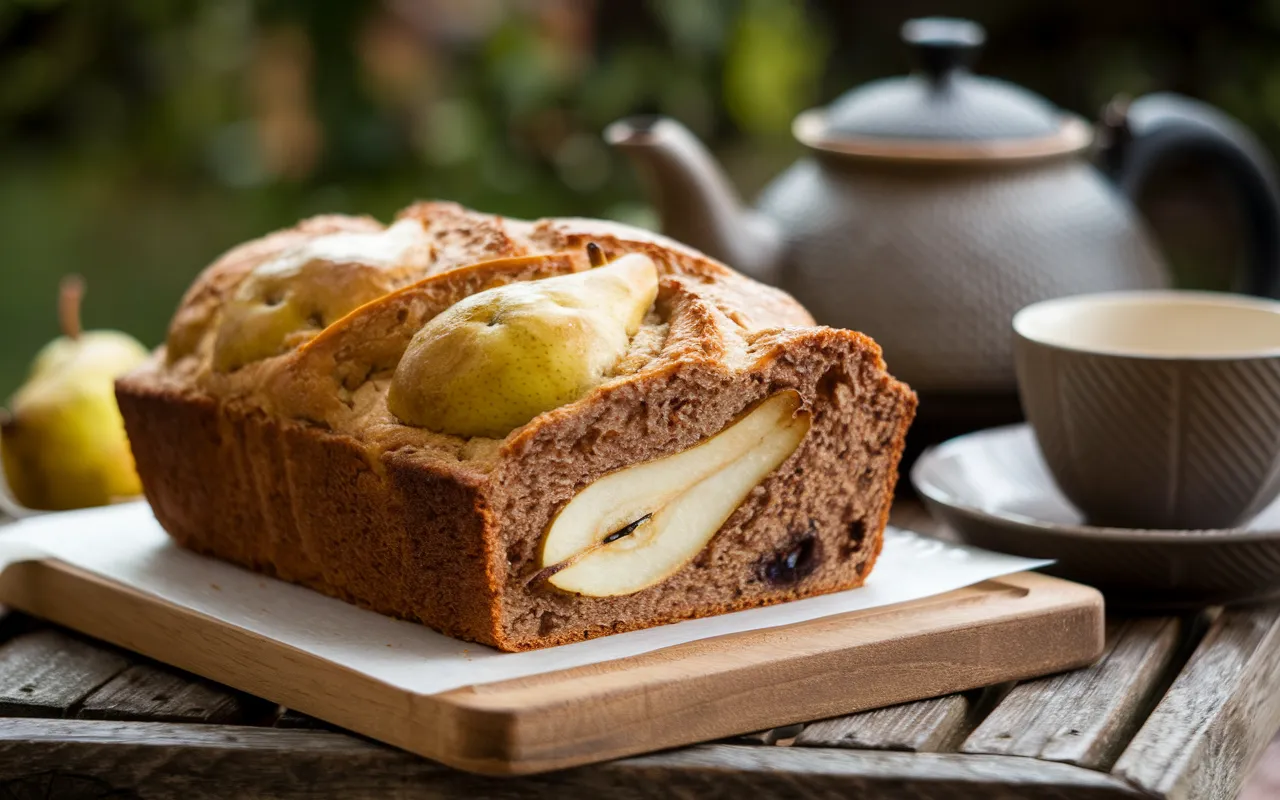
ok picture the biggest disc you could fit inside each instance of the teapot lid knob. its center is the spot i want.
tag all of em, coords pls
(940, 45)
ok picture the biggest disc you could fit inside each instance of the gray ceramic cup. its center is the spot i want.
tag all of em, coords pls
(1155, 409)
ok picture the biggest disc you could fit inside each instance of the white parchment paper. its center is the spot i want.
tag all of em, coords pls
(124, 543)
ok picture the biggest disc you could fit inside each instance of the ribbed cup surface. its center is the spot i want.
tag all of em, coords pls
(1151, 442)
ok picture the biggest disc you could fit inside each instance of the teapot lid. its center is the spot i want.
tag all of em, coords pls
(942, 111)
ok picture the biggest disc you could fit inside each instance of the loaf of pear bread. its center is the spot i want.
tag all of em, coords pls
(517, 433)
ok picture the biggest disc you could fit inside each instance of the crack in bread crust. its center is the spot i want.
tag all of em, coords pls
(293, 466)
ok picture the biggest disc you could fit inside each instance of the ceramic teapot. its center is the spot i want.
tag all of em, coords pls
(931, 207)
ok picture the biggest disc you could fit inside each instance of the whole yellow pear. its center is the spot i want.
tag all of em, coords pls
(63, 443)
(501, 357)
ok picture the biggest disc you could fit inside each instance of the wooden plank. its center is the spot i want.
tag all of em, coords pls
(45, 673)
(1085, 717)
(1007, 629)
(160, 694)
(193, 762)
(1218, 714)
(928, 726)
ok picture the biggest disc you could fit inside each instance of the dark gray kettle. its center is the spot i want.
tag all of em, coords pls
(931, 207)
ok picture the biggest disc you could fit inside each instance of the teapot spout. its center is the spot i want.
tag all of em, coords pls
(695, 202)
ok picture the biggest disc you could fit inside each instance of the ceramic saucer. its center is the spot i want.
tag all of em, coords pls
(994, 490)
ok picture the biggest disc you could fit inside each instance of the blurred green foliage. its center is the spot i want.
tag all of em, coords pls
(140, 138)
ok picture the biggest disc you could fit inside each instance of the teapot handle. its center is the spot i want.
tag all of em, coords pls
(1157, 129)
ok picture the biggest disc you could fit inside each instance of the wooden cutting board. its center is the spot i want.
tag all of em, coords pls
(1010, 628)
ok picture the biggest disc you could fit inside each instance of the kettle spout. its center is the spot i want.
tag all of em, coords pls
(695, 202)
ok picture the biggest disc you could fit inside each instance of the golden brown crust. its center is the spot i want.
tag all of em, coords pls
(293, 465)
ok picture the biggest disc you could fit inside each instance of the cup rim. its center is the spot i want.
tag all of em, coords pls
(1149, 297)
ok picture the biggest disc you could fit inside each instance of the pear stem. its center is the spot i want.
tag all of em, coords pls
(70, 292)
(595, 255)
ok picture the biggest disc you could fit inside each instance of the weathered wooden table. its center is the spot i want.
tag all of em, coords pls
(1179, 707)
